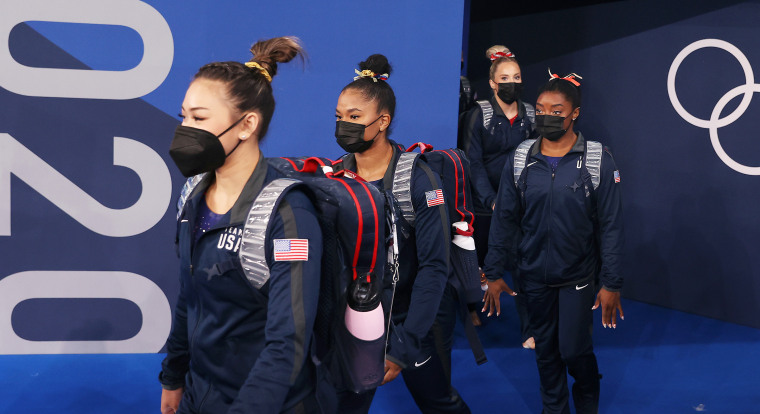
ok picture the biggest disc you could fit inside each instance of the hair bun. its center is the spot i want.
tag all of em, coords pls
(376, 63)
(493, 50)
(268, 53)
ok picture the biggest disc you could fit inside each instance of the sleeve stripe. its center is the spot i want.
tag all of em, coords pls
(296, 292)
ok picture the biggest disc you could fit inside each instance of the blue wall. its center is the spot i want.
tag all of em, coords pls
(87, 188)
(691, 215)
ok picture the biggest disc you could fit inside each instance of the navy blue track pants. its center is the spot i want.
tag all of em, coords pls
(561, 319)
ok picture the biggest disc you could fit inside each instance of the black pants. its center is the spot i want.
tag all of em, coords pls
(429, 379)
(521, 305)
(562, 319)
(352, 403)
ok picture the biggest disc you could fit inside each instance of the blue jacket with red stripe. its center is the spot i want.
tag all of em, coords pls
(558, 232)
(234, 348)
(423, 263)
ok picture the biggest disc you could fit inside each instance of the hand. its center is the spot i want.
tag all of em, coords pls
(491, 297)
(610, 301)
(392, 370)
(170, 400)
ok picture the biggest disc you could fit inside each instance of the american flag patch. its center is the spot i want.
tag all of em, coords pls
(434, 197)
(290, 250)
(617, 176)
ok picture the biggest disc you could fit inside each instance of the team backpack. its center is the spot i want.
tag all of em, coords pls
(350, 213)
(485, 106)
(453, 169)
(592, 163)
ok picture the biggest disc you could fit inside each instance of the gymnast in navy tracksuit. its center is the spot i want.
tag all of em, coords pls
(509, 125)
(487, 147)
(565, 238)
(424, 308)
(236, 347)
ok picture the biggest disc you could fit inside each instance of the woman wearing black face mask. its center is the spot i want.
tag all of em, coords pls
(494, 128)
(558, 220)
(237, 346)
(424, 306)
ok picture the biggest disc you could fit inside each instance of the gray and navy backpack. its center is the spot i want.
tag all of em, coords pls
(487, 109)
(351, 217)
(592, 162)
(453, 169)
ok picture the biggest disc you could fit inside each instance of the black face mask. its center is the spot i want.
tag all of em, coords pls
(551, 127)
(509, 92)
(197, 151)
(350, 136)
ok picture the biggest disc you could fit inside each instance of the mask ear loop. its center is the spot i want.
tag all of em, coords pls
(378, 130)
(374, 121)
(240, 141)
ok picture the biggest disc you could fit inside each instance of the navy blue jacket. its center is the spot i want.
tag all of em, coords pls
(555, 240)
(487, 149)
(423, 264)
(234, 348)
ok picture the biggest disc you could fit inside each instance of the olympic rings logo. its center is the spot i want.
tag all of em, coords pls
(715, 122)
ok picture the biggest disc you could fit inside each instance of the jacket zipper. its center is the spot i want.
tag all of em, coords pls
(195, 289)
(193, 281)
(548, 224)
(203, 400)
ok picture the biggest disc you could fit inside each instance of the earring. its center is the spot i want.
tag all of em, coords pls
(243, 136)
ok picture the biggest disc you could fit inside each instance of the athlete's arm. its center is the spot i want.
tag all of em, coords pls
(433, 239)
(177, 361)
(503, 240)
(476, 133)
(610, 216)
(293, 290)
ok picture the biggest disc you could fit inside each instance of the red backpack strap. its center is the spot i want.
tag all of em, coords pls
(312, 164)
(340, 170)
(463, 189)
(308, 165)
(422, 146)
(367, 235)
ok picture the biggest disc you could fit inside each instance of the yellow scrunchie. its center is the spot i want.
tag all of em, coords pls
(260, 68)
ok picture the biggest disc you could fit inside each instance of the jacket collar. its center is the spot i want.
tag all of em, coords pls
(253, 186)
(498, 112)
(579, 146)
(349, 163)
(388, 178)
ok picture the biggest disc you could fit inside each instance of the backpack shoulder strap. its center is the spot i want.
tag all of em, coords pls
(455, 179)
(187, 189)
(487, 112)
(593, 162)
(530, 112)
(521, 155)
(402, 184)
(253, 247)
(466, 88)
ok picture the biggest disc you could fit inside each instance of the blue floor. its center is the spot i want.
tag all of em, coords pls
(657, 361)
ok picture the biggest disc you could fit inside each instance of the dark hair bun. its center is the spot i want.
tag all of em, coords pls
(376, 63)
(270, 52)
